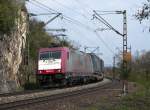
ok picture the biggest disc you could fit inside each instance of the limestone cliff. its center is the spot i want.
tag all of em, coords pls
(11, 47)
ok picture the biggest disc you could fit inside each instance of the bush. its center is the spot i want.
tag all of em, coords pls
(8, 15)
(31, 86)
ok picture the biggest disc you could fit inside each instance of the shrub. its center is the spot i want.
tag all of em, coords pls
(8, 15)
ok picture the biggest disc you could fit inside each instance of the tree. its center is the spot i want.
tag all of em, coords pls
(39, 38)
(8, 15)
(144, 12)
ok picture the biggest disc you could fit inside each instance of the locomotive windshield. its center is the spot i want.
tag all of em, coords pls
(50, 55)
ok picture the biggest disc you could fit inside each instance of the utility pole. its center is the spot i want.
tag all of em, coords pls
(125, 50)
(114, 67)
(125, 43)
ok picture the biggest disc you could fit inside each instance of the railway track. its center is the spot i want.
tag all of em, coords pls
(31, 91)
(23, 103)
(38, 90)
(19, 93)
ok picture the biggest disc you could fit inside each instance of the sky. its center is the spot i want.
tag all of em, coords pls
(77, 20)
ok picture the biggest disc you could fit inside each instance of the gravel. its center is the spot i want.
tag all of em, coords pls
(100, 99)
(50, 92)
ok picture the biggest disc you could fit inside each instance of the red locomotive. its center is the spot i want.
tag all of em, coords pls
(66, 66)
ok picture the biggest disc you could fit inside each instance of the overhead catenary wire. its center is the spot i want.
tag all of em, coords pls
(85, 5)
(87, 26)
(69, 8)
(75, 22)
(49, 13)
(97, 34)
(68, 19)
(39, 6)
(79, 23)
(32, 4)
(64, 16)
(101, 19)
(77, 1)
(45, 6)
(106, 11)
(100, 38)
(79, 31)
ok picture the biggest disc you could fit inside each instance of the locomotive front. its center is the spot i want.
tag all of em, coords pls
(51, 65)
(49, 62)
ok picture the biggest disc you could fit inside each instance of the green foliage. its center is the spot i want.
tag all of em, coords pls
(124, 74)
(144, 13)
(136, 101)
(8, 15)
(39, 38)
(141, 75)
(140, 69)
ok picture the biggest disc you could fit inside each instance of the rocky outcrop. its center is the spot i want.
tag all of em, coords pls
(11, 47)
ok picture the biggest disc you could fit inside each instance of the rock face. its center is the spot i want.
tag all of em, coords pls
(11, 54)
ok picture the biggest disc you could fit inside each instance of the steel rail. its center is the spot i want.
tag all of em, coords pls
(22, 103)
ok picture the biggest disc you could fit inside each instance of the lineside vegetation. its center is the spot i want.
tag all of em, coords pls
(8, 15)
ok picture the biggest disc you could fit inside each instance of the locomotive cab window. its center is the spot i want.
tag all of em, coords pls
(55, 55)
(44, 56)
(50, 55)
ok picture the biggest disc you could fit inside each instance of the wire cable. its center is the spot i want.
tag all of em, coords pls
(75, 22)
(64, 16)
(101, 19)
(45, 6)
(76, 30)
(100, 38)
(69, 8)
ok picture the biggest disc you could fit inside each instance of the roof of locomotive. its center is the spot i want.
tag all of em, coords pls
(53, 49)
(66, 49)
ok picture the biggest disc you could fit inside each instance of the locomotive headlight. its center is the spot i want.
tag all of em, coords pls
(58, 70)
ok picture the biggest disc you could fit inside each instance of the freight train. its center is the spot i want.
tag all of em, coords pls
(67, 66)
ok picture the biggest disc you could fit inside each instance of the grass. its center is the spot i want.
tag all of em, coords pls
(140, 100)
(136, 101)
